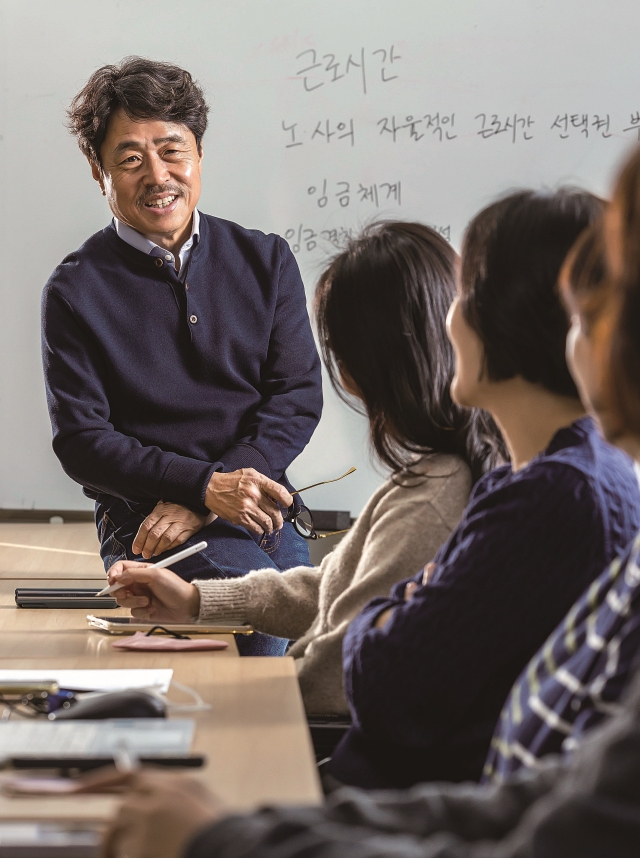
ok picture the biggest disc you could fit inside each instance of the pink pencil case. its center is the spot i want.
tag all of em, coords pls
(140, 641)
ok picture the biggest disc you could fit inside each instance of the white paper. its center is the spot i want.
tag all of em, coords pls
(46, 836)
(94, 680)
(142, 736)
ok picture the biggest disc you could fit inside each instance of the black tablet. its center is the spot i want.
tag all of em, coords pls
(67, 597)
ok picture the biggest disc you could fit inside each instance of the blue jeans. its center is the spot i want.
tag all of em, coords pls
(231, 552)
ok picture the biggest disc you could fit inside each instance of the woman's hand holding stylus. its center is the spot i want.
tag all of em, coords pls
(157, 595)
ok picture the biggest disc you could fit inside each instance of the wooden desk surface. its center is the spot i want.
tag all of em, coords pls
(255, 735)
(24, 551)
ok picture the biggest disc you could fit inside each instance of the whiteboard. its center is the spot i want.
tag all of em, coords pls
(324, 116)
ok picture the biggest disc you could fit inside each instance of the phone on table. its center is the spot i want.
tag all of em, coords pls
(67, 597)
(129, 625)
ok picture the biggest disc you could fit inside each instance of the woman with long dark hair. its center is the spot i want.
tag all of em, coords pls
(381, 308)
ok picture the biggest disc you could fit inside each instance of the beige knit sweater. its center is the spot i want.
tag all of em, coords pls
(398, 532)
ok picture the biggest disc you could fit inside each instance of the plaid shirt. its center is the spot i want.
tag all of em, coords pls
(578, 676)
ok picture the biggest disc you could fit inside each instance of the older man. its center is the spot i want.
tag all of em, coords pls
(182, 377)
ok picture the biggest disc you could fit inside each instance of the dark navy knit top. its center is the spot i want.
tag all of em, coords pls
(425, 691)
(153, 383)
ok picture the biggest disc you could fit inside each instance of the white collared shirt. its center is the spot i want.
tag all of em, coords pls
(140, 242)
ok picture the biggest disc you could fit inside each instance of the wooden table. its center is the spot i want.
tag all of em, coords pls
(255, 735)
(49, 551)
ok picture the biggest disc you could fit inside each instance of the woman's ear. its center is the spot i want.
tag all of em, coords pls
(470, 371)
(580, 360)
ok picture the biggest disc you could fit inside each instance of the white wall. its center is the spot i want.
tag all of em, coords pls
(532, 60)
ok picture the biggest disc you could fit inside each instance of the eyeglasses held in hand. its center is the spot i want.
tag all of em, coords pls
(301, 518)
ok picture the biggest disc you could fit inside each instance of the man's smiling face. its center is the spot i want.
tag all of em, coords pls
(151, 176)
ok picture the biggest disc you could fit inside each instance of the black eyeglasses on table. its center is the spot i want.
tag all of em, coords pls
(301, 518)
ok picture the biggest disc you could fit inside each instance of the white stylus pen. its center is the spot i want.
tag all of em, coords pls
(168, 561)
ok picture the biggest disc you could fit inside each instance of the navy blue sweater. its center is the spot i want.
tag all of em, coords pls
(152, 385)
(425, 691)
